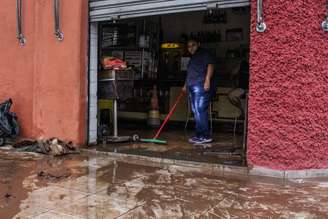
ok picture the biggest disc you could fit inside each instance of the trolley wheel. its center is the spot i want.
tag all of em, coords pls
(135, 138)
(2, 141)
(103, 131)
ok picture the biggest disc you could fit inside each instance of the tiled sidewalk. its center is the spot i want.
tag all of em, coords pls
(102, 187)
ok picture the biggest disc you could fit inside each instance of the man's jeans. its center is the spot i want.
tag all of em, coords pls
(200, 100)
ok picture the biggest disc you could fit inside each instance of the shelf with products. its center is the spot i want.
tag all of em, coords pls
(135, 42)
(140, 100)
(135, 95)
(117, 34)
(141, 93)
(122, 48)
(133, 58)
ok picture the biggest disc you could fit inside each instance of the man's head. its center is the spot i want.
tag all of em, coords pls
(193, 45)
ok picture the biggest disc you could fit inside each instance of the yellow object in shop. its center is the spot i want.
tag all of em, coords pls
(104, 104)
(170, 45)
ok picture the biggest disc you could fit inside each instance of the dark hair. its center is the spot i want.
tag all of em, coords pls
(194, 39)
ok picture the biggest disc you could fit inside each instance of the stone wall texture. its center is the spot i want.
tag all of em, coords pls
(288, 113)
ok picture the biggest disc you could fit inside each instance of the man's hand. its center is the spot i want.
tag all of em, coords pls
(207, 85)
(184, 89)
(209, 74)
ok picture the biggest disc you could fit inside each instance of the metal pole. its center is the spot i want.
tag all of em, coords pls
(245, 124)
(115, 118)
(260, 26)
(115, 109)
(143, 49)
(324, 24)
(58, 33)
(20, 35)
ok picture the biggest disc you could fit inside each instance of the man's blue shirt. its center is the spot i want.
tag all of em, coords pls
(197, 67)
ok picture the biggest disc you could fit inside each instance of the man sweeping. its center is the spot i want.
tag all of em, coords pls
(201, 86)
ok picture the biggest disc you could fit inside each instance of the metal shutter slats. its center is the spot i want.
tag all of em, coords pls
(101, 10)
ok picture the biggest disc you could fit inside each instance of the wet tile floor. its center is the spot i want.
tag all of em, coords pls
(92, 186)
(177, 147)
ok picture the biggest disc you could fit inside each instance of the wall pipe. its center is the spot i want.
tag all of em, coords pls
(324, 24)
(58, 33)
(19, 19)
(260, 26)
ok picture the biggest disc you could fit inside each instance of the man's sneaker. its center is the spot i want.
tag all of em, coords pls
(203, 140)
(193, 140)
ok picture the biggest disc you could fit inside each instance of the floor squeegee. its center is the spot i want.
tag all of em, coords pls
(155, 138)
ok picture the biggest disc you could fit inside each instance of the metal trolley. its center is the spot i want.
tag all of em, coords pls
(113, 80)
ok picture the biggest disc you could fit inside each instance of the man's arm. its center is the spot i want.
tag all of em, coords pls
(184, 88)
(209, 75)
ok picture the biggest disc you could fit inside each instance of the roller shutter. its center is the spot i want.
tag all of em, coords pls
(101, 10)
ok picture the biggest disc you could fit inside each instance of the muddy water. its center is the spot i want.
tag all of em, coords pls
(102, 187)
(19, 176)
(12, 175)
(174, 193)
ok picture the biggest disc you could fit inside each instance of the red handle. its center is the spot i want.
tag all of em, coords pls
(169, 115)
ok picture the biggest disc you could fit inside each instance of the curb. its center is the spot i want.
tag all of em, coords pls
(216, 169)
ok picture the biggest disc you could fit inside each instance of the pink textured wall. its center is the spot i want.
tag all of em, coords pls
(288, 113)
(46, 79)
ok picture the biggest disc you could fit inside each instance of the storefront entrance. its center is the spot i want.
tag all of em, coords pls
(150, 38)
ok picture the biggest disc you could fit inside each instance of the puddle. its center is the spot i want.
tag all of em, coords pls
(12, 175)
(102, 187)
(19, 176)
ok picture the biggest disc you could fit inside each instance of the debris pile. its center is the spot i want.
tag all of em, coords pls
(9, 127)
(52, 146)
(54, 175)
(8, 196)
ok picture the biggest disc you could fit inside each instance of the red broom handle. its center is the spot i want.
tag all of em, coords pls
(169, 115)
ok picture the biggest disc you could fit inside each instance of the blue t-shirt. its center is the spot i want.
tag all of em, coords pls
(197, 67)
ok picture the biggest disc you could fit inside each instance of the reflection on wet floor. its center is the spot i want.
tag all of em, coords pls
(102, 187)
(226, 148)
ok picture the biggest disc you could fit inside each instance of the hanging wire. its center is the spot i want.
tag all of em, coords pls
(20, 35)
(58, 33)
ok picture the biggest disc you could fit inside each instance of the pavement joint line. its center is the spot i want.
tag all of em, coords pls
(131, 210)
(69, 204)
(211, 212)
(38, 214)
(210, 208)
(65, 214)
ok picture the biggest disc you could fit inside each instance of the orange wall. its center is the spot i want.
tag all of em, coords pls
(46, 79)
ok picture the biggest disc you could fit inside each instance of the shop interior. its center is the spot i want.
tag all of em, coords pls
(150, 60)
